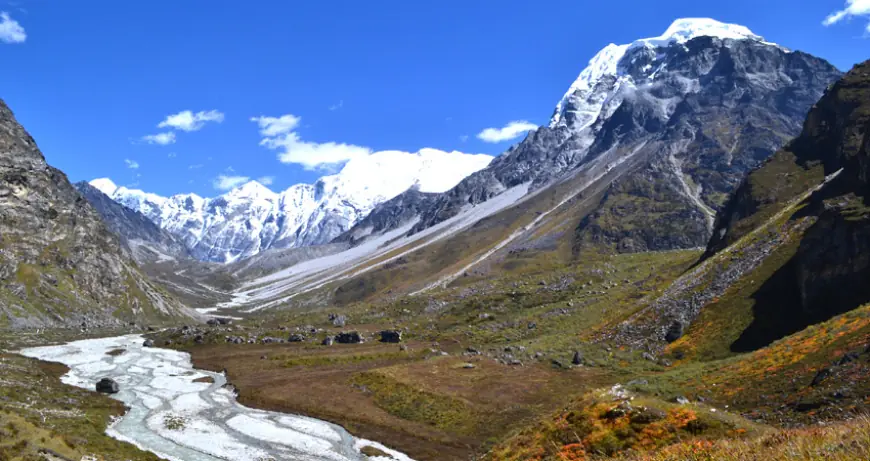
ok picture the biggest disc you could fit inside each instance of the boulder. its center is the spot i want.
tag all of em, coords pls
(352, 337)
(391, 336)
(108, 386)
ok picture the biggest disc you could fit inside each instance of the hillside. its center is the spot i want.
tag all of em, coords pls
(59, 264)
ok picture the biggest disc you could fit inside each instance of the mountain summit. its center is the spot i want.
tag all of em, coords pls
(670, 123)
(251, 218)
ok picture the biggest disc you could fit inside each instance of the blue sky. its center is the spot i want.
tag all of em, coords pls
(89, 79)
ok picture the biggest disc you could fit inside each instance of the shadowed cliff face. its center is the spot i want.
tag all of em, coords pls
(828, 273)
(59, 264)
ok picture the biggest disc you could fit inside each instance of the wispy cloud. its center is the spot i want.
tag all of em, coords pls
(463, 138)
(510, 131)
(188, 121)
(224, 182)
(853, 8)
(279, 133)
(338, 106)
(195, 166)
(266, 180)
(172, 155)
(162, 139)
(132, 164)
(10, 30)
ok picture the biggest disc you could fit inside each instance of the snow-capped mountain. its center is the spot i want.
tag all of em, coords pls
(680, 118)
(252, 218)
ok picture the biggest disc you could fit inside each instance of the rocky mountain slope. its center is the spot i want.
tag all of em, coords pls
(789, 248)
(700, 106)
(142, 238)
(252, 218)
(59, 264)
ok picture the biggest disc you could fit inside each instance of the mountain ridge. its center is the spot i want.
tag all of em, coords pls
(251, 218)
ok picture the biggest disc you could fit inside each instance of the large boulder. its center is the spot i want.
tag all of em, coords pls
(391, 336)
(352, 337)
(108, 386)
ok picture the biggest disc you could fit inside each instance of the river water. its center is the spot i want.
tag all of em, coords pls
(180, 419)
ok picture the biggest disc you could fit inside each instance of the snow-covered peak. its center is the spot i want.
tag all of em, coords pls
(251, 218)
(685, 29)
(606, 62)
(252, 190)
(104, 185)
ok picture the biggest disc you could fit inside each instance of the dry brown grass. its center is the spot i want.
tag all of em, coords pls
(848, 441)
(392, 399)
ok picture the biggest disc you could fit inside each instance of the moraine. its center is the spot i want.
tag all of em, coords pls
(180, 419)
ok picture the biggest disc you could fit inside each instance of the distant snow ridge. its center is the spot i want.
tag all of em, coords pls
(586, 97)
(252, 218)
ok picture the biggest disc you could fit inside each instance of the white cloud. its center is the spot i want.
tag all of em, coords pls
(463, 138)
(188, 121)
(162, 139)
(279, 134)
(510, 131)
(335, 107)
(172, 155)
(853, 8)
(194, 166)
(10, 30)
(266, 180)
(132, 164)
(224, 182)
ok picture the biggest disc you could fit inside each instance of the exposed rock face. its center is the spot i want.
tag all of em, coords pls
(808, 203)
(392, 214)
(682, 117)
(828, 273)
(145, 241)
(59, 264)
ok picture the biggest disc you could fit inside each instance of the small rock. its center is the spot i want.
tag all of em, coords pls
(577, 359)
(148, 343)
(327, 341)
(648, 356)
(468, 365)
(681, 400)
(532, 325)
(296, 338)
(263, 357)
(107, 386)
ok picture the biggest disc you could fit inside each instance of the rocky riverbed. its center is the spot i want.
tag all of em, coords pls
(185, 414)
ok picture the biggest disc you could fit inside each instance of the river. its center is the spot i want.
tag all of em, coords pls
(180, 419)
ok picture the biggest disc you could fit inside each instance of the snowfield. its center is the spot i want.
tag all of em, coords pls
(182, 420)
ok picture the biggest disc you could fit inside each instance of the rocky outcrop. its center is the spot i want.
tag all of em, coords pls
(59, 264)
